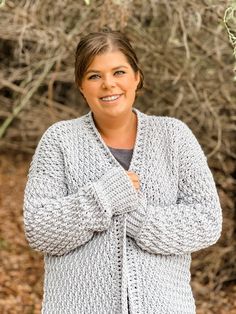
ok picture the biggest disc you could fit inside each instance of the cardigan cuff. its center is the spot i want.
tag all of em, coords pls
(135, 219)
(116, 192)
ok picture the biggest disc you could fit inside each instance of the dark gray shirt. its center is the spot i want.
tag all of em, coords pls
(123, 155)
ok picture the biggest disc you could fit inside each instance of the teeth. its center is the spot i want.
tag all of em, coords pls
(110, 98)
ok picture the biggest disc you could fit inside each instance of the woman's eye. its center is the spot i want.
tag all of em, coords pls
(92, 76)
(96, 75)
(122, 72)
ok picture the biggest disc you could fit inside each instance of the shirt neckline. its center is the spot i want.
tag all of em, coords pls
(121, 149)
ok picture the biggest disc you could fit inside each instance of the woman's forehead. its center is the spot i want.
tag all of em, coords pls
(112, 60)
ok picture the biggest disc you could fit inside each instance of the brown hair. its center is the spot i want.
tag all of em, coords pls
(99, 42)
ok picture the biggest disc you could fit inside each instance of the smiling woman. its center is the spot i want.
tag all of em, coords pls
(108, 76)
(117, 200)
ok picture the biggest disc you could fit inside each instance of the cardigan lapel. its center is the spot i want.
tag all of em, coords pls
(136, 161)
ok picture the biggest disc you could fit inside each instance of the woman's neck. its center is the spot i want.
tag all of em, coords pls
(120, 132)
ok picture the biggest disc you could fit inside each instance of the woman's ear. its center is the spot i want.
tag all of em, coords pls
(80, 89)
(81, 92)
(137, 77)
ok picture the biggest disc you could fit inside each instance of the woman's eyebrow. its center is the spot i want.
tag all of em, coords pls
(96, 71)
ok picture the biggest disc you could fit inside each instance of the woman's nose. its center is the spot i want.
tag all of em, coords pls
(108, 82)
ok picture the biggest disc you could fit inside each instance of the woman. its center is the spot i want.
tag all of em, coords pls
(117, 200)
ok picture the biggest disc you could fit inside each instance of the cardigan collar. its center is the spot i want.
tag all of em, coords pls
(138, 150)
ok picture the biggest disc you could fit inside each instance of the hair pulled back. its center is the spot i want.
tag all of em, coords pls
(96, 43)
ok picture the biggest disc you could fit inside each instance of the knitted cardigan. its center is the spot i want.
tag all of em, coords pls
(100, 237)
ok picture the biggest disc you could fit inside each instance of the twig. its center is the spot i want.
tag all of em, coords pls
(25, 100)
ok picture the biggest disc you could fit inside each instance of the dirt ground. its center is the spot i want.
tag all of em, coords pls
(21, 269)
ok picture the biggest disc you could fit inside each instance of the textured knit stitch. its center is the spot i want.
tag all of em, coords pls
(100, 236)
(124, 157)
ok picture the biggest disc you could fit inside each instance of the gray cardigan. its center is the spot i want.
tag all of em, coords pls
(100, 236)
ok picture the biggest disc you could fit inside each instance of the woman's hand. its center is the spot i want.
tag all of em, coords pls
(134, 179)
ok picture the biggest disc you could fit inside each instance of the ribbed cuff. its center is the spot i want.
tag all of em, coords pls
(135, 219)
(115, 190)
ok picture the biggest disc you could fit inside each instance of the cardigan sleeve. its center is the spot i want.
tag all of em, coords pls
(55, 222)
(195, 221)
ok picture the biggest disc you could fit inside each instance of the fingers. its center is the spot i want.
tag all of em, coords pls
(132, 174)
(134, 178)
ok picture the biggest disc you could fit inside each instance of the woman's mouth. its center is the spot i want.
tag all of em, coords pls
(111, 99)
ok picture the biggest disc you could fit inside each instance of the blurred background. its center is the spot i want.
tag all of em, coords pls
(186, 53)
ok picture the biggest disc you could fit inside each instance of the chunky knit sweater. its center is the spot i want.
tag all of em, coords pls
(100, 237)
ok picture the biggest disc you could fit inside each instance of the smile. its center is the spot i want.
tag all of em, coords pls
(111, 98)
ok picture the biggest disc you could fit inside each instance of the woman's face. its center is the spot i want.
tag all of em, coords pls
(108, 75)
